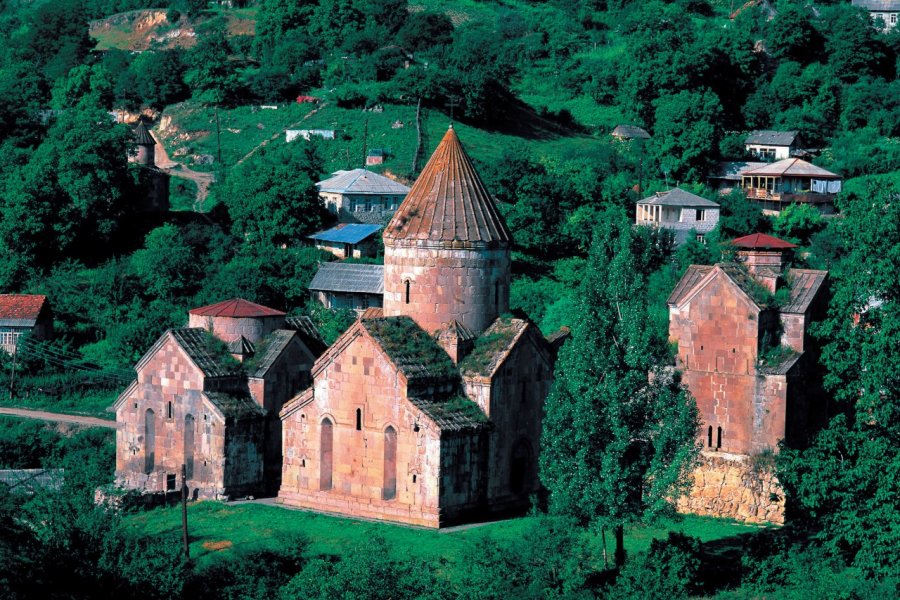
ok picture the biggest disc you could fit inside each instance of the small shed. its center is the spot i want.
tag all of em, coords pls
(348, 240)
(375, 156)
(630, 132)
(343, 285)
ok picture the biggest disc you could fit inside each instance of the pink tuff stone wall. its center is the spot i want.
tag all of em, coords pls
(228, 329)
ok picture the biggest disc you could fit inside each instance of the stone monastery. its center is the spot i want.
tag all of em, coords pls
(426, 411)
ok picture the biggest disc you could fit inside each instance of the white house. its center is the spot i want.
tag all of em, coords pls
(361, 196)
(679, 211)
(886, 10)
(772, 145)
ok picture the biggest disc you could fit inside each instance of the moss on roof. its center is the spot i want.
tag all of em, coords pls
(491, 345)
(414, 352)
(455, 413)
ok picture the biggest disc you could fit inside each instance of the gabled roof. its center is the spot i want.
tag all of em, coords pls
(349, 278)
(308, 334)
(761, 241)
(629, 132)
(805, 286)
(878, 5)
(678, 197)
(361, 181)
(771, 138)
(698, 276)
(270, 349)
(236, 308)
(241, 345)
(21, 310)
(733, 170)
(455, 413)
(691, 278)
(346, 233)
(201, 348)
(415, 353)
(142, 135)
(456, 330)
(235, 405)
(448, 202)
(493, 346)
(791, 167)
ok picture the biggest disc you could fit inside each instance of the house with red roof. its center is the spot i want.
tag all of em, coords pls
(207, 396)
(22, 314)
(744, 350)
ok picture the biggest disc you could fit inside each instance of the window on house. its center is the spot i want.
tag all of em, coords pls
(359, 419)
(701, 238)
(718, 438)
(326, 453)
(893, 18)
(149, 441)
(709, 437)
(407, 290)
(171, 481)
(170, 412)
(701, 215)
(389, 487)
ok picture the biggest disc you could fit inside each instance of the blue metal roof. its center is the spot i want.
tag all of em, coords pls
(346, 233)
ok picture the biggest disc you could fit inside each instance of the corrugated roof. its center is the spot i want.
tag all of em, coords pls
(142, 135)
(346, 233)
(771, 138)
(237, 308)
(202, 349)
(691, 278)
(629, 132)
(309, 334)
(791, 167)
(805, 286)
(448, 202)
(235, 405)
(361, 181)
(678, 197)
(21, 309)
(270, 349)
(761, 241)
(878, 5)
(349, 278)
(452, 414)
(413, 351)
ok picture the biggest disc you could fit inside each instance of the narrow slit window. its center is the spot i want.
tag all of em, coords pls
(170, 413)
(709, 437)
(359, 419)
(719, 438)
(407, 290)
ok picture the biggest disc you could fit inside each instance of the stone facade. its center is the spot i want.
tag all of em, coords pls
(735, 486)
(437, 282)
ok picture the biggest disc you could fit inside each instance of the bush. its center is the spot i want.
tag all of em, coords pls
(668, 571)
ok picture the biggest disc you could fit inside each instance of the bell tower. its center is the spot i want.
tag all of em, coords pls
(446, 249)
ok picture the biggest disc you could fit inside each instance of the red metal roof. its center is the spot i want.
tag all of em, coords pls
(21, 306)
(761, 240)
(448, 202)
(237, 308)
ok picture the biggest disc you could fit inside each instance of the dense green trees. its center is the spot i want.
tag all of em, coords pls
(616, 445)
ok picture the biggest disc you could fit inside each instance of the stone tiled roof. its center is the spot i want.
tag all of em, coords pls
(448, 202)
(791, 167)
(761, 241)
(457, 330)
(745, 281)
(771, 138)
(452, 414)
(142, 135)
(361, 181)
(415, 353)
(783, 367)
(308, 333)
(240, 346)
(805, 286)
(270, 349)
(629, 132)
(200, 346)
(349, 278)
(21, 310)
(493, 346)
(235, 405)
(691, 278)
(678, 197)
(236, 308)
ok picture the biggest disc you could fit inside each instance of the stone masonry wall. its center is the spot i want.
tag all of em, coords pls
(228, 329)
(735, 487)
(468, 284)
(361, 378)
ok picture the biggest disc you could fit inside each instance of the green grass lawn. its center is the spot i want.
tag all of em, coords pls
(89, 403)
(244, 527)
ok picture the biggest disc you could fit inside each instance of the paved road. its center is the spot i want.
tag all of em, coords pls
(59, 417)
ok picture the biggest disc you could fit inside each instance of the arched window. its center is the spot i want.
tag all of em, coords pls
(326, 453)
(709, 437)
(519, 468)
(389, 488)
(406, 283)
(719, 438)
(149, 440)
(359, 419)
(189, 446)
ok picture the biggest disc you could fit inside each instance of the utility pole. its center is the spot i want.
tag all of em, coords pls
(219, 145)
(452, 102)
(12, 374)
(184, 495)
(365, 141)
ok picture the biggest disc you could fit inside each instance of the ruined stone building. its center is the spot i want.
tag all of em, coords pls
(427, 411)
(742, 330)
(153, 182)
(207, 396)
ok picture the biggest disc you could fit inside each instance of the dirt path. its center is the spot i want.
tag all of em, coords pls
(203, 180)
(278, 134)
(59, 417)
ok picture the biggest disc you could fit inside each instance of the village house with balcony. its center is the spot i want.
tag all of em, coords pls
(772, 145)
(348, 240)
(792, 180)
(679, 211)
(361, 196)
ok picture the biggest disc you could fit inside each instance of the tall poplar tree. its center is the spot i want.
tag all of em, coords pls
(619, 430)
